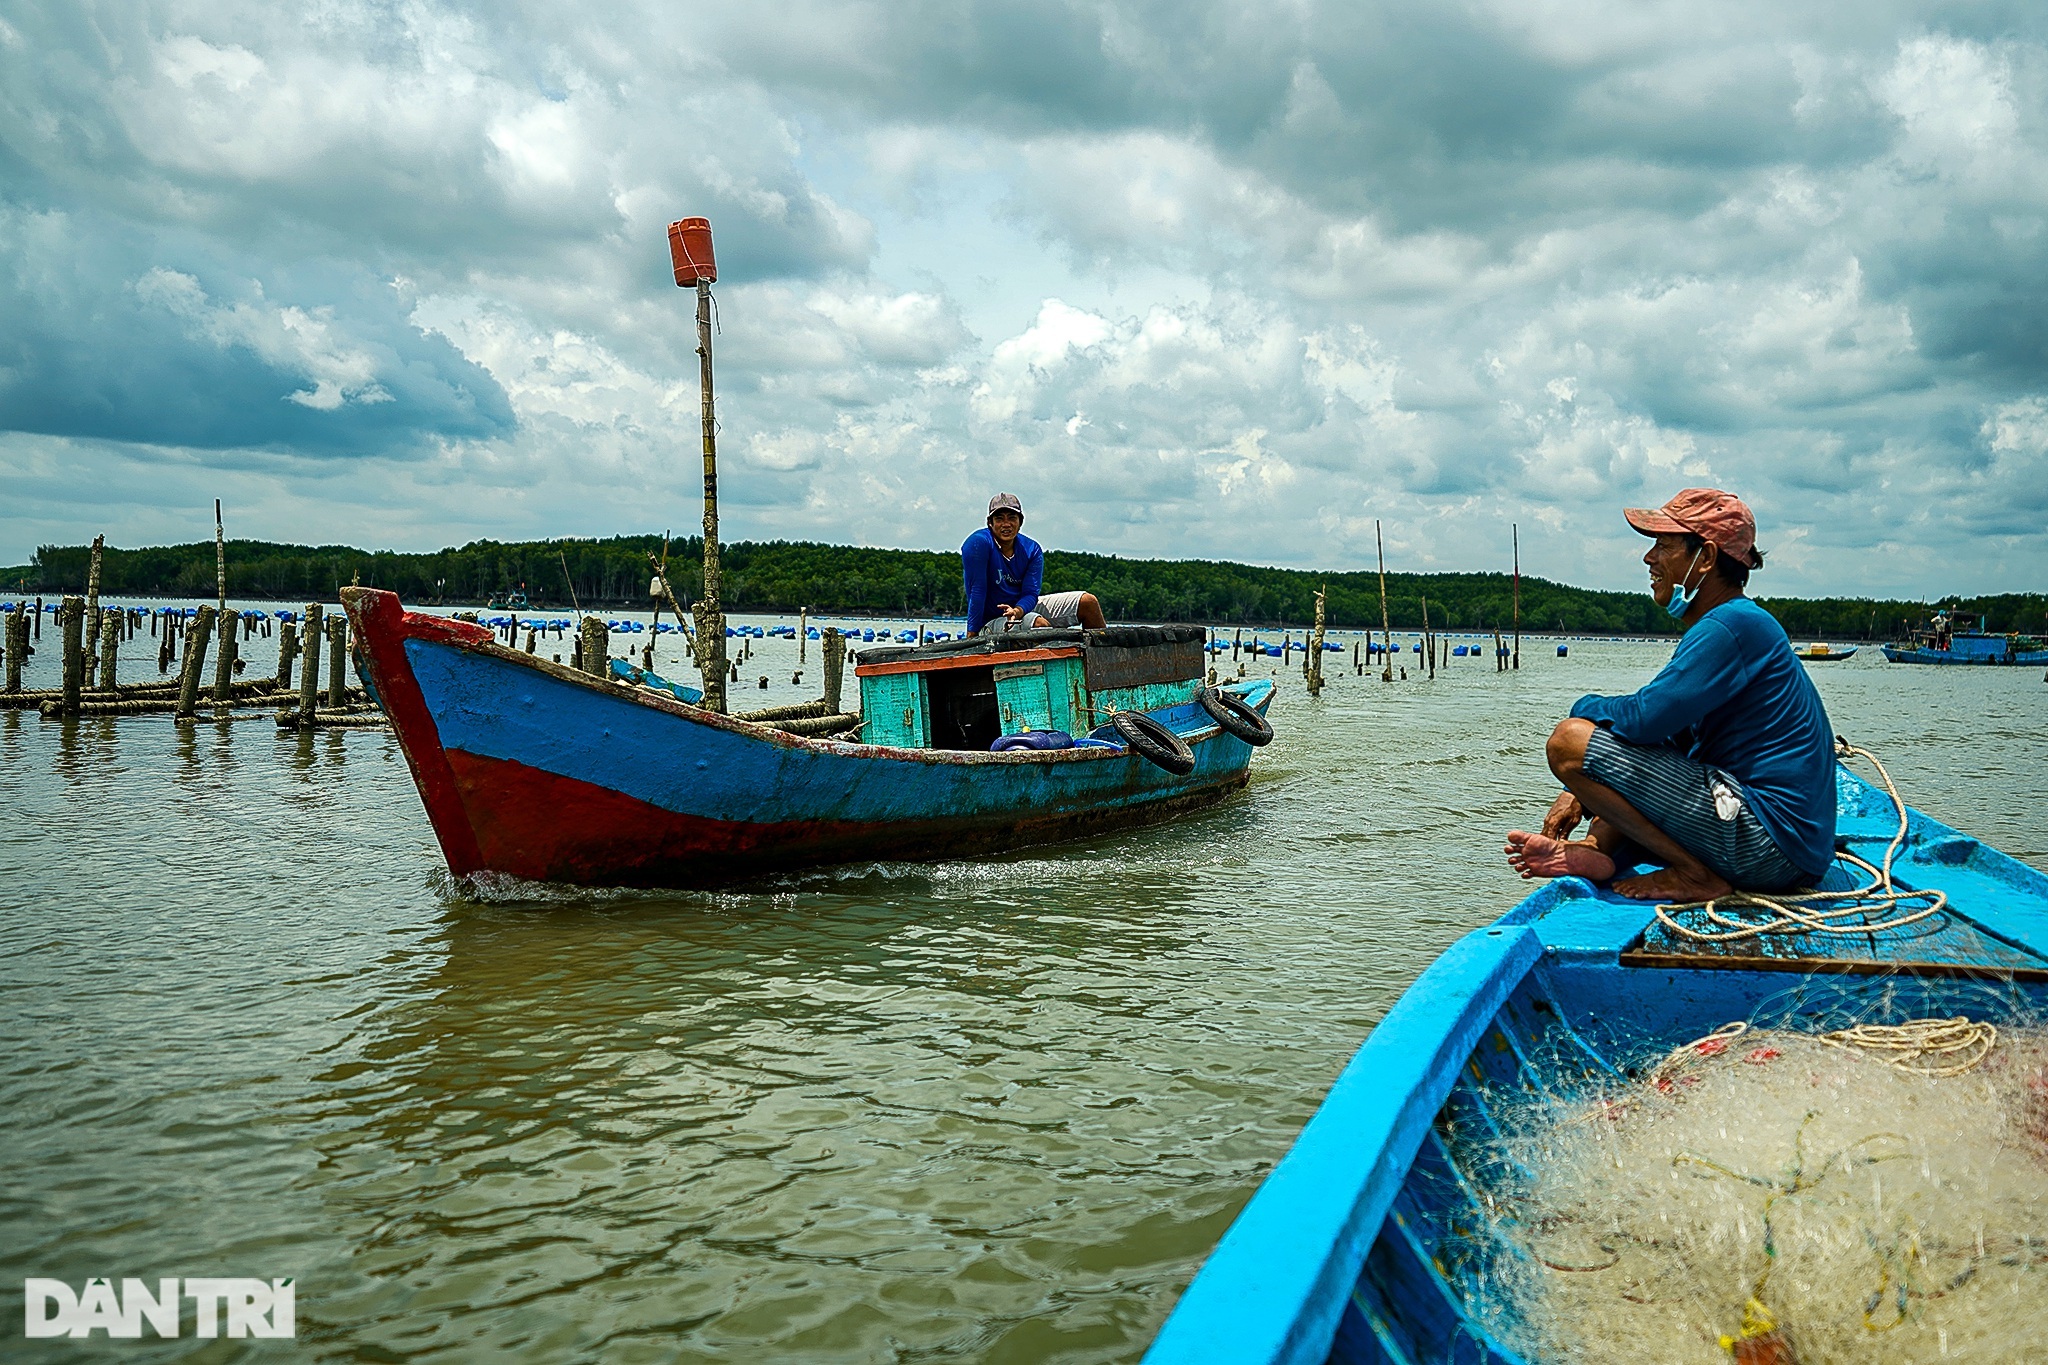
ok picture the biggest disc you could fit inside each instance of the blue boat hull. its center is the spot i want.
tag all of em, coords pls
(1358, 1246)
(2031, 658)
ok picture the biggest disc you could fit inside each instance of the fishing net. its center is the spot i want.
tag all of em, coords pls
(1776, 1192)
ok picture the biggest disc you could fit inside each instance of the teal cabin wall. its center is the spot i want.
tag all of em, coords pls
(1150, 697)
(1058, 698)
(1045, 694)
(893, 711)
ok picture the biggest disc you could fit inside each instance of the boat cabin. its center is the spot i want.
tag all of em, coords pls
(967, 694)
(1972, 644)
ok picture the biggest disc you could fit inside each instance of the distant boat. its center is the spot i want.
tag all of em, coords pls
(1941, 644)
(1824, 653)
(509, 601)
(1373, 1239)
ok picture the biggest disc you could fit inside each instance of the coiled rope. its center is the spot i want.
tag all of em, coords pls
(1749, 914)
(1925, 1047)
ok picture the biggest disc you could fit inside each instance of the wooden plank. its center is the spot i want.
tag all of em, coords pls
(1006, 657)
(1832, 966)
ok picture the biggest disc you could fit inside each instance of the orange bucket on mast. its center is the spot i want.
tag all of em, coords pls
(689, 247)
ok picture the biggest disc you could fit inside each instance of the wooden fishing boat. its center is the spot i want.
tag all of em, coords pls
(1972, 648)
(1824, 653)
(1361, 1244)
(1941, 643)
(538, 771)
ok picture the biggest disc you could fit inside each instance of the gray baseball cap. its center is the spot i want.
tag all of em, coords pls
(1006, 502)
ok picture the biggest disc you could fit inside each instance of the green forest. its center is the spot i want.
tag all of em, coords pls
(782, 576)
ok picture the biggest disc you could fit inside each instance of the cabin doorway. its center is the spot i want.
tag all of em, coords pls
(963, 708)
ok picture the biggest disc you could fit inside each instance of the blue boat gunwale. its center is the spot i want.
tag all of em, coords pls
(1278, 1282)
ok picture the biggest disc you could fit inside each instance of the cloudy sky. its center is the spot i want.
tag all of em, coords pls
(1195, 279)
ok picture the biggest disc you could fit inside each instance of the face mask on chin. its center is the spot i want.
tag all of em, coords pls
(1682, 596)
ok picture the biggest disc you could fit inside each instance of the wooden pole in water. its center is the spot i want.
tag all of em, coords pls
(1428, 640)
(17, 647)
(594, 641)
(224, 664)
(110, 651)
(832, 648)
(72, 616)
(93, 624)
(195, 661)
(1386, 626)
(309, 677)
(1516, 532)
(220, 562)
(1315, 675)
(337, 661)
(287, 651)
(803, 632)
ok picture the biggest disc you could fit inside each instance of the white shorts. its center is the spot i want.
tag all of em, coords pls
(1059, 608)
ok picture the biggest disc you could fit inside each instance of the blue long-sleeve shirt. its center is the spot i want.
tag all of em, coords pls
(1736, 697)
(994, 582)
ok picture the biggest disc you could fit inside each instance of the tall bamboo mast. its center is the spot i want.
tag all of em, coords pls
(709, 611)
(689, 243)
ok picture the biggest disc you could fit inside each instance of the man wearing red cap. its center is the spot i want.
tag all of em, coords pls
(1722, 768)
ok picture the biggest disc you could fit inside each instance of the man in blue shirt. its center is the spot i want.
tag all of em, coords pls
(1002, 568)
(1722, 768)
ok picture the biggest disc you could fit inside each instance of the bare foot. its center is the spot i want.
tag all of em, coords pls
(1539, 855)
(1674, 884)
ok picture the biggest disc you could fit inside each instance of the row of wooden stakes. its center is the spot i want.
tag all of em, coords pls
(590, 652)
(91, 641)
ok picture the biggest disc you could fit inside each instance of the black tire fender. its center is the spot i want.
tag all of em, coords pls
(1154, 741)
(1236, 716)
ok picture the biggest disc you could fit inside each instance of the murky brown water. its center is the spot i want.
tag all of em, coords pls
(992, 1110)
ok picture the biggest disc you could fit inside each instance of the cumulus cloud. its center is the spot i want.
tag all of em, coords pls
(318, 359)
(1200, 279)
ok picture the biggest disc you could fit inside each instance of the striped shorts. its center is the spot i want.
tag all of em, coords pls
(1058, 608)
(1702, 808)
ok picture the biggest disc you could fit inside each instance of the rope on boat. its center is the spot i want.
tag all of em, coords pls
(1924, 1047)
(1749, 914)
(1950, 1046)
